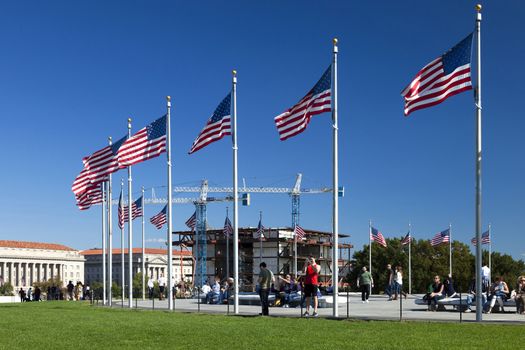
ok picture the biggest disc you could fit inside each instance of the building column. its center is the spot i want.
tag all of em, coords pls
(11, 274)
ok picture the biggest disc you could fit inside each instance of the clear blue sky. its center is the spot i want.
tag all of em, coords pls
(72, 72)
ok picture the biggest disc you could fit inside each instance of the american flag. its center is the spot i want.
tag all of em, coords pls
(441, 237)
(149, 142)
(318, 100)
(92, 195)
(485, 238)
(407, 239)
(299, 232)
(136, 209)
(228, 229)
(122, 212)
(160, 219)
(259, 234)
(218, 126)
(97, 167)
(376, 236)
(445, 76)
(192, 221)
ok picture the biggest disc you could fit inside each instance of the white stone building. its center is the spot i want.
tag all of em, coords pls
(24, 263)
(155, 263)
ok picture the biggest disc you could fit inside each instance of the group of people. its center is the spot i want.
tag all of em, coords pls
(393, 288)
(217, 293)
(30, 295)
(288, 287)
(498, 292)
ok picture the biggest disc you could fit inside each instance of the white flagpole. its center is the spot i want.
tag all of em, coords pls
(260, 237)
(295, 251)
(490, 257)
(110, 239)
(227, 251)
(370, 246)
(335, 190)
(478, 169)
(450, 249)
(409, 258)
(235, 199)
(103, 185)
(169, 211)
(130, 231)
(122, 274)
(143, 267)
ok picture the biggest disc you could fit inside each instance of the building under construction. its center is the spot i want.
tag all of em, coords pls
(276, 248)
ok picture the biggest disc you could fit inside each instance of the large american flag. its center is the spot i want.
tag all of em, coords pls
(318, 100)
(97, 167)
(299, 232)
(149, 142)
(218, 126)
(485, 238)
(160, 219)
(92, 195)
(192, 221)
(376, 236)
(407, 239)
(441, 237)
(228, 229)
(445, 76)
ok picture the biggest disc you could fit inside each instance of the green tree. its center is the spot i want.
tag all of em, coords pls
(137, 285)
(428, 261)
(116, 290)
(6, 289)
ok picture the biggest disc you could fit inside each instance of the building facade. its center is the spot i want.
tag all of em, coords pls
(24, 263)
(155, 264)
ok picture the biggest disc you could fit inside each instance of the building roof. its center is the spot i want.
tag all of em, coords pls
(34, 245)
(136, 251)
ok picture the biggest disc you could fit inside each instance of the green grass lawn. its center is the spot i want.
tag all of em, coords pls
(78, 325)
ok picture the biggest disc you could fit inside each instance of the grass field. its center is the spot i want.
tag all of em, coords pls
(51, 325)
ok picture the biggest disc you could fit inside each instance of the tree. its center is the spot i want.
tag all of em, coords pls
(116, 290)
(137, 285)
(6, 289)
(428, 261)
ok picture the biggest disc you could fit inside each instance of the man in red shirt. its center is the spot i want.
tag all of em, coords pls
(311, 271)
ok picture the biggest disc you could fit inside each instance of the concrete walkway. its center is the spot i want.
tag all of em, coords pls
(378, 308)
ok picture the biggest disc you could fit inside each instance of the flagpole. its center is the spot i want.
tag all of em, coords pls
(490, 257)
(450, 249)
(130, 231)
(478, 169)
(143, 267)
(227, 251)
(370, 247)
(110, 239)
(260, 237)
(169, 211)
(103, 242)
(335, 190)
(122, 274)
(409, 258)
(295, 251)
(235, 199)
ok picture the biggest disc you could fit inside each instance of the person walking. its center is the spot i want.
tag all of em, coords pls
(162, 286)
(389, 288)
(151, 287)
(265, 283)
(311, 284)
(398, 283)
(366, 283)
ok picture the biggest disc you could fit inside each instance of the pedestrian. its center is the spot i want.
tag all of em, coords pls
(311, 271)
(37, 294)
(389, 281)
(265, 281)
(151, 287)
(398, 283)
(366, 283)
(162, 286)
(22, 294)
(70, 288)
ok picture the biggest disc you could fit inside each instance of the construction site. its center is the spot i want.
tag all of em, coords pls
(213, 255)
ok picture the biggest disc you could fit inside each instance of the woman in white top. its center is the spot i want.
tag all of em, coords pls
(398, 280)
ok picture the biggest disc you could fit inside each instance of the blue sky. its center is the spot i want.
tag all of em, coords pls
(73, 72)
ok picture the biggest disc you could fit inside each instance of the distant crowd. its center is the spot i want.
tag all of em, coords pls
(72, 291)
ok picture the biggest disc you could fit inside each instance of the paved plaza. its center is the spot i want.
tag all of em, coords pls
(379, 308)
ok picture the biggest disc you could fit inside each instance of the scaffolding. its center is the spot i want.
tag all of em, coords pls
(277, 252)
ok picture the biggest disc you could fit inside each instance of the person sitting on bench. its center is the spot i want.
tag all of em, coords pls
(435, 295)
(499, 292)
